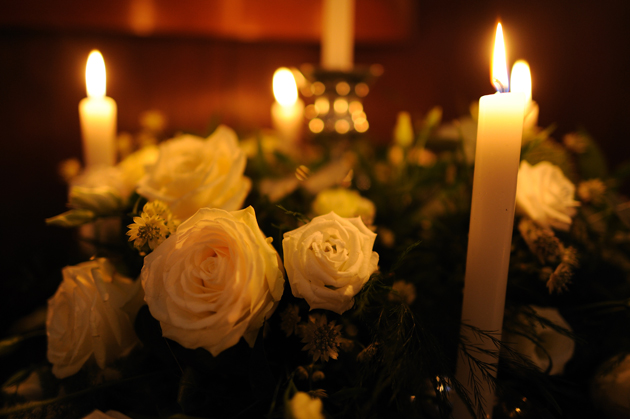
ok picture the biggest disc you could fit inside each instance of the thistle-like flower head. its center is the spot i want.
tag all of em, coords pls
(321, 337)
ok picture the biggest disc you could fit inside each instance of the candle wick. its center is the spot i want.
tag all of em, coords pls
(500, 87)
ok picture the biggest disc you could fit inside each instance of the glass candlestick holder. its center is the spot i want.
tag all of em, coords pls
(337, 99)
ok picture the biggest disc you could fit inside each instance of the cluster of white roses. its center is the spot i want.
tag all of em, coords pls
(216, 278)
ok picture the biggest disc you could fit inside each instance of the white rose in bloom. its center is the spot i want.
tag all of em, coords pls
(345, 203)
(104, 189)
(545, 195)
(554, 345)
(329, 260)
(99, 189)
(302, 406)
(134, 166)
(91, 316)
(192, 173)
(216, 279)
(611, 386)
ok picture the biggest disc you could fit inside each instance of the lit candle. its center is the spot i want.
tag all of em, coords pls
(497, 156)
(288, 110)
(521, 81)
(97, 113)
(337, 34)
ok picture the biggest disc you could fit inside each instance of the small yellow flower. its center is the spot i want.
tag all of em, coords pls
(161, 210)
(592, 190)
(147, 229)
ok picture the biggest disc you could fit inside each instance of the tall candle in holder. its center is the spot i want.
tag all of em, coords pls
(97, 113)
(337, 35)
(497, 156)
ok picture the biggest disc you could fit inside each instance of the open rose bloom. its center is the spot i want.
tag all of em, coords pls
(329, 260)
(192, 172)
(91, 316)
(545, 195)
(214, 281)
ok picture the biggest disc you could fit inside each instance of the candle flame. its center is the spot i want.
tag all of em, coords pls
(521, 79)
(95, 78)
(499, 63)
(284, 87)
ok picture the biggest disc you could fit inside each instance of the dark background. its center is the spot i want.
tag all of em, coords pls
(198, 60)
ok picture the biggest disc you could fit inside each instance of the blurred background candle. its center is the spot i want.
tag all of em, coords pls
(497, 157)
(337, 34)
(287, 111)
(521, 81)
(97, 113)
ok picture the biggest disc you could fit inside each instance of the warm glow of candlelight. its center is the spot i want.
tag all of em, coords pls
(521, 79)
(499, 63)
(284, 87)
(95, 77)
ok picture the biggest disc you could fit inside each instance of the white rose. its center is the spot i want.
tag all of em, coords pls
(545, 195)
(91, 316)
(105, 189)
(216, 279)
(303, 406)
(345, 203)
(99, 189)
(611, 386)
(329, 260)
(134, 166)
(192, 173)
(110, 414)
(553, 346)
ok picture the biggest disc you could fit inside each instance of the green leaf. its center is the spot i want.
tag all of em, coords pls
(12, 344)
(72, 218)
(554, 153)
(18, 377)
(591, 162)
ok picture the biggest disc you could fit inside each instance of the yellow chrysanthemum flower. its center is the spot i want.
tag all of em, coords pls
(147, 229)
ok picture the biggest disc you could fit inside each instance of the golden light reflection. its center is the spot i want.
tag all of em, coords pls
(316, 125)
(322, 105)
(342, 88)
(355, 106)
(310, 112)
(341, 106)
(342, 126)
(318, 88)
(361, 89)
(358, 115)
(361, 125)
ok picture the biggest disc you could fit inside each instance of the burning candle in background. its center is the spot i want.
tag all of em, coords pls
(97, 114)
(337, 46)
(287, 111)
(499, 136)
(521, 81)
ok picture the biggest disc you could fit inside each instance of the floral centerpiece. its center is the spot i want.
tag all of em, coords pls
(226, 278)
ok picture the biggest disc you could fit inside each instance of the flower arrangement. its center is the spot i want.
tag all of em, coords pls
(230, 279)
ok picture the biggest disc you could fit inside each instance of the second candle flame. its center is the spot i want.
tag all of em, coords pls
(284, 87)
(499, 76)
(521, 79)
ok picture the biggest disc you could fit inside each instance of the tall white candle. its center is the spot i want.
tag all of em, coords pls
(337, 46)
(287, 112)
(497, 156)
(97, 114)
